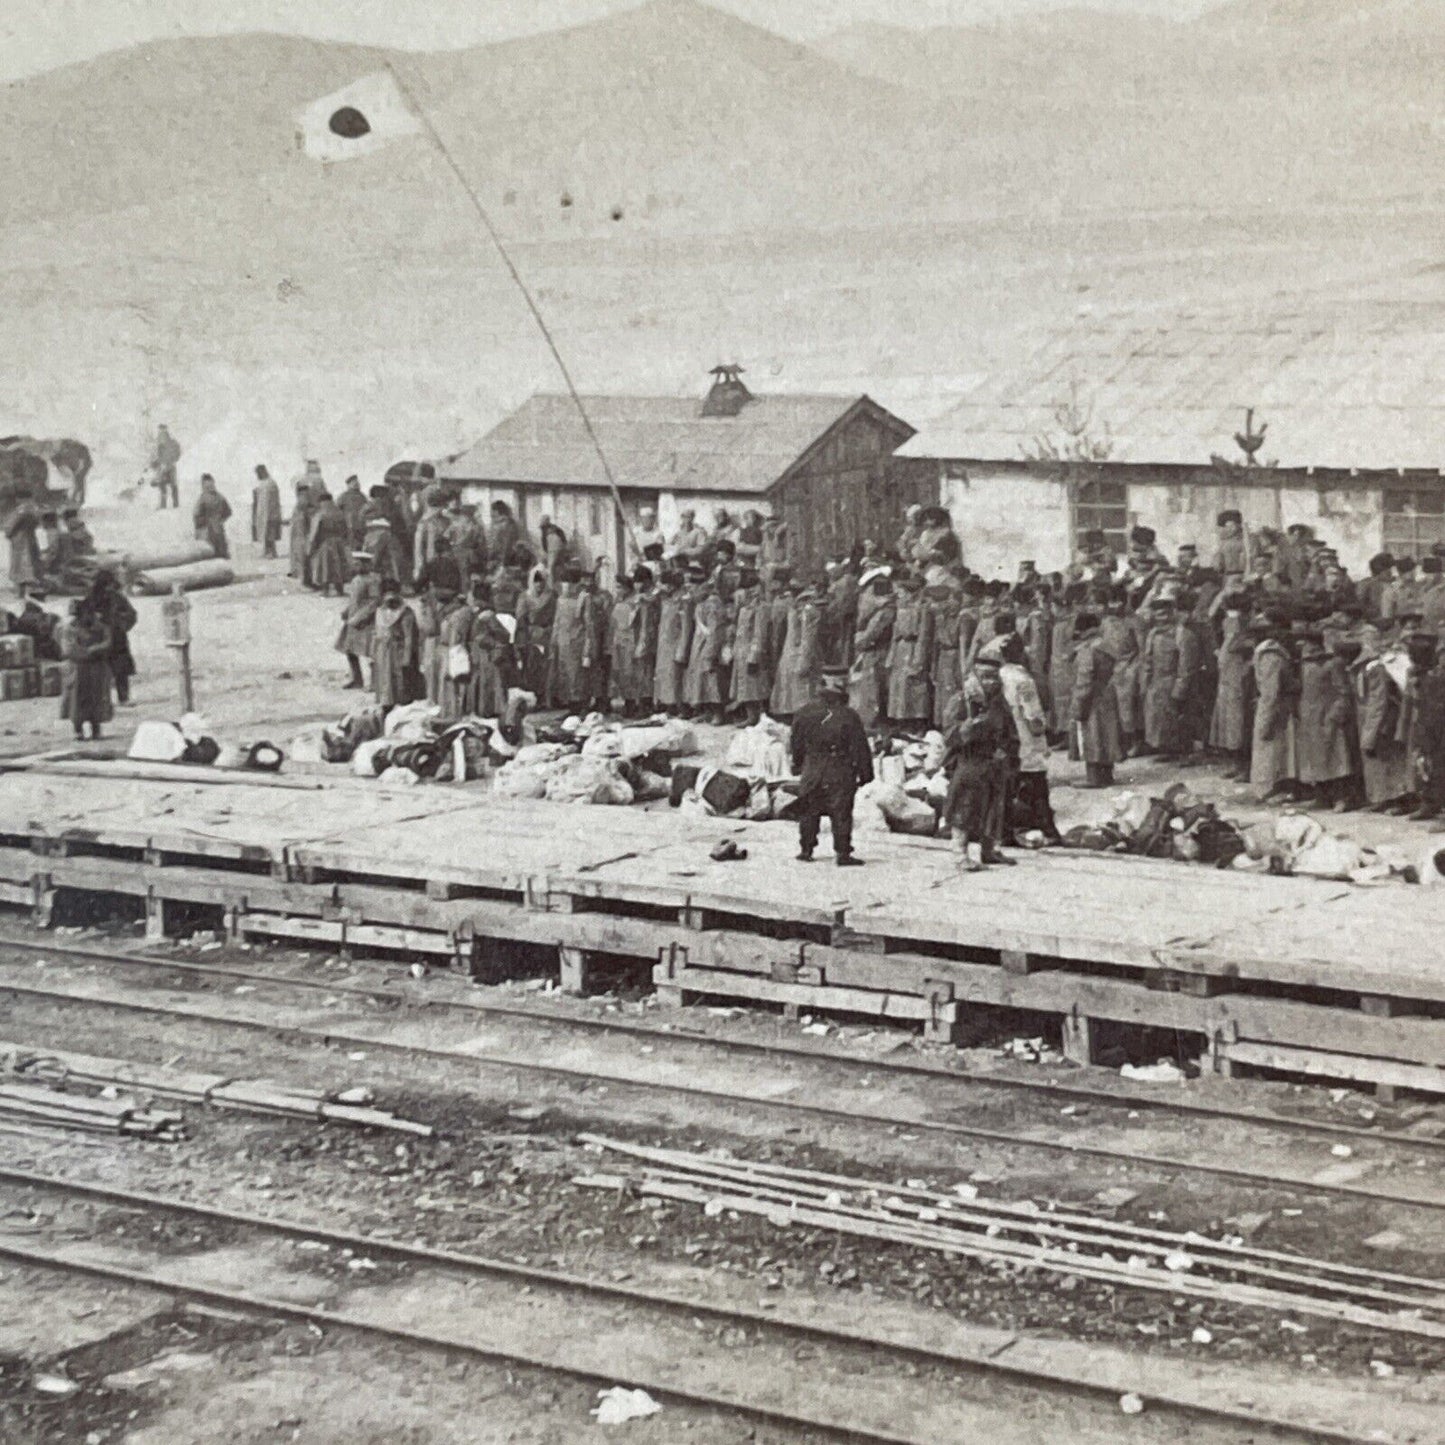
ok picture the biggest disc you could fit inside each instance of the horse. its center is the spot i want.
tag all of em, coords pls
(63, 453)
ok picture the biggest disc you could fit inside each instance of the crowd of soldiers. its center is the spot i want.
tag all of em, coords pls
(1261, 653)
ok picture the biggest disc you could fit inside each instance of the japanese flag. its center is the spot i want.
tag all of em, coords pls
(356, 121)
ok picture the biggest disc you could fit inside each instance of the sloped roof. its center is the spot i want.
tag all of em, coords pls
(1360, 388)
(654, 443)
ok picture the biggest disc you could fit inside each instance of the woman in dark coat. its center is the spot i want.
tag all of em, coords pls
(114, 609)
(85, 646)
(980, 754)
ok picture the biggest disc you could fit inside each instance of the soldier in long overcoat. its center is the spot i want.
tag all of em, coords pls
(536, 610)
(750, 690)
(1170, 671)
(868, 677)
(1229, 727)
(453, 647)
(1061, 660)
(945, 667)
(1381, 678)
(1272, 759)
(795, 682)
(700, 692)
(358, 617)
(621, 645)
(674, 642)
(1093, 702)
(329, 547)
(299, 538)
(981, 757)
(1120, 636)
(910, 704)
(395, 650)
(491, 652)
(1328, 733)
(644, 632)
(1036, 629)
(266, 512)
(569, 661)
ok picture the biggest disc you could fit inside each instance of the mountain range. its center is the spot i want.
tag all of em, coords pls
(676, 182)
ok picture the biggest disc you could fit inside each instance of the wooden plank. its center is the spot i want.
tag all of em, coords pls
(822, 999)
(1320, 1064)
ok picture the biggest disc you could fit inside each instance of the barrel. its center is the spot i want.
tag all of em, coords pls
(192, 577)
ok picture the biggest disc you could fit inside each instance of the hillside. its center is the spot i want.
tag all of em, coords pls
(884, 209)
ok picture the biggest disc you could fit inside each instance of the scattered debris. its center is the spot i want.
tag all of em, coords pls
(1163, 1072)
(1131, 1404)
(1381, 1370)
(54, 1385)
(619, 1405)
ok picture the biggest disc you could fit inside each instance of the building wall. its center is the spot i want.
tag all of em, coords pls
(1004, 515)
(852, 489)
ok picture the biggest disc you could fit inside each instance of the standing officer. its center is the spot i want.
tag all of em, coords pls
(831, 754)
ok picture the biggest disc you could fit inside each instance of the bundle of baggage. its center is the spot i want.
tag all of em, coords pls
(1186, 828)
(192, 740)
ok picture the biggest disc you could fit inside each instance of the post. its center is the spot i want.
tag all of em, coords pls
(176, 620)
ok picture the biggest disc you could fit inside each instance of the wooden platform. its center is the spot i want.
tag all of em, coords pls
(1322, 979)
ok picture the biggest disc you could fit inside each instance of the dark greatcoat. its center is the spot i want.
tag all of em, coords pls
(704, 656)
(1170, 671)
(330, 566)
(119, 617)
(750, 651)
(1062, 673)
(981, 756)
(644, 653)
(1120, 637)
(573, 638)
(85, 692)
(830, 754)
(395, 656)
(1037, 630)
(1229, 727)
(454, 629)
(796, 680)
(622, 649)
(1272, 758)
(1327, 736)
(358, 617)
(909, 655)
(491, 651)
(266, 512)
(535, 613)
(353, 505)
(299, 540)
(868, 678)
(209, 517)
(674, 642)
(1384, 731)
(1093, 703)
(945, 667)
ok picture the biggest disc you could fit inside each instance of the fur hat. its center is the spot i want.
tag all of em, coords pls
(1230, 514)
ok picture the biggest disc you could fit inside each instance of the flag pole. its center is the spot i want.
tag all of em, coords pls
(441, 147)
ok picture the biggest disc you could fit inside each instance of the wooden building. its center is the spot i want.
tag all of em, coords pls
(823, 464)
(1115, 423)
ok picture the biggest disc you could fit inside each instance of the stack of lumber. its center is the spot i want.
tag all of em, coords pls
(251, 1096)
(35, 1104)
(1026, 1235)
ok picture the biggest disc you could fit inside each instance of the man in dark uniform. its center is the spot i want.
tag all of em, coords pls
(832, 757)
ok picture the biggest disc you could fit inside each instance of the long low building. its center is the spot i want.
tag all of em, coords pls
(823, 464)
(1337, 423)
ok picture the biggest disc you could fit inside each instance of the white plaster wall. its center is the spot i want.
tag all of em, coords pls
(1003, 517)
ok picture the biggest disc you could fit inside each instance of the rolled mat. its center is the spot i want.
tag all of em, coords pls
(179, 554)
(156, 582)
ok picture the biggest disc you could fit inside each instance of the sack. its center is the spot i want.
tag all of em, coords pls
(725, 793)
(459, 661)
(157, 742)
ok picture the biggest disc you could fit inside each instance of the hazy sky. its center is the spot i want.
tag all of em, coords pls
(39, 34)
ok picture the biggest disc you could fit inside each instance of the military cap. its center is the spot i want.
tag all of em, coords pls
(1230, 514)
(1142, 536)
(1085, 622)
(833, 679)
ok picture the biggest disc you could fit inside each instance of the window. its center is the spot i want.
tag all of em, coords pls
(1101, 506)
(1414, 519)
(594, 516)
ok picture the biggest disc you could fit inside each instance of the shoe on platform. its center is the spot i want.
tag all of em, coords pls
(806, 856)
(849, 861)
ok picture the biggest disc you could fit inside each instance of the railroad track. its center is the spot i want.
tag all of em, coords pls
(923, 1389)
(677, 1083)
(1053, 1089)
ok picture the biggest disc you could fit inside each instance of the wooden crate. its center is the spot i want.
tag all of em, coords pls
(16, 650)
(52, 679)
(13, 681)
